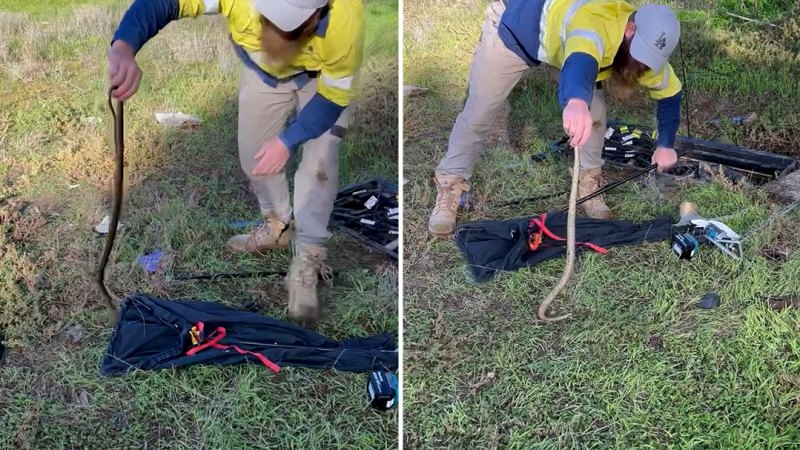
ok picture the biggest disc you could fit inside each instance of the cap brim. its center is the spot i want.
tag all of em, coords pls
(645, 55)
(283, 15)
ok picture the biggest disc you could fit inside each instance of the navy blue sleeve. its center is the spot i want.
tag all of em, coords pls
(318, 116)
(577, 78)
(668, 114)
(144, 19)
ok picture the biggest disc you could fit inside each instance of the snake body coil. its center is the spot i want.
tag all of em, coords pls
(119, 152)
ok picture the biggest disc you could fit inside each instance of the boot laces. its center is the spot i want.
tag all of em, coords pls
(446, 198)
(263, 229)
(314, 267)
(595, 183)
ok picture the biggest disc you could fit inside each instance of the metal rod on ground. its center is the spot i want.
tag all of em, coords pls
(231, 275)
(580, 201)
(613, 185)
(226, 276)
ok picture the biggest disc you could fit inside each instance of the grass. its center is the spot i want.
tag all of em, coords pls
(185, 187)
(44, 10)
(638, 365)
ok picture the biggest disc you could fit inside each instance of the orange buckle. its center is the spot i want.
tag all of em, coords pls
(197, 336)
(534, 239)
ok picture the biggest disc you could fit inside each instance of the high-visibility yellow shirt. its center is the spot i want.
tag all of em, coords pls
(549, 31)
(333, 54)
(335, 50)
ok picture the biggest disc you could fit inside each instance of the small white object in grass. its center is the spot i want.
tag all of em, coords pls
(367, 221)
(372, 201)
(104, 225)
(73, 186)
(32, 211)
(92, 120)
(176, 119)
(609, 132)
(412, 90)
(82, 399)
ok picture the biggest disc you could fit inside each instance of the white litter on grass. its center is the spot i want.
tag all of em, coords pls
(413, 90)
(92, 120)
(73, 186)
(105, 224)
(176, 119)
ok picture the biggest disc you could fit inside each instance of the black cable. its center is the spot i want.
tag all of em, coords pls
(227, 276)
(233, 275)
(686, 89)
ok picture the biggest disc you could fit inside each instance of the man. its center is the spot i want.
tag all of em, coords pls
(297, 55)
(589, 41)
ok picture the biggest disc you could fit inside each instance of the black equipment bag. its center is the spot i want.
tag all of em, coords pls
(492, 246)
(157, 334)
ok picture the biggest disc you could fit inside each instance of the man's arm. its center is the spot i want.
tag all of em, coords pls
(319, 115)
(577, 78)
(145, 18)
(668, 115)
(665, 89)
(583, 51)
(336, 83)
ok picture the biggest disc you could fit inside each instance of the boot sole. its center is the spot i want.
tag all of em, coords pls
(443, 230)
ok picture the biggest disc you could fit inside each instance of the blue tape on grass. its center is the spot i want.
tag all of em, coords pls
(150, 262)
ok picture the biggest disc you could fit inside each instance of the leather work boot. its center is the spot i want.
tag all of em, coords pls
(589, 182)
(272, 234)
(308, 264)
(448, 198)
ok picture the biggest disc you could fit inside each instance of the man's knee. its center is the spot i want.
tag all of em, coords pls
(480, 114)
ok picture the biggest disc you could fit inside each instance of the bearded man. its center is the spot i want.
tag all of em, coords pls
(297, 55)
(589, 41)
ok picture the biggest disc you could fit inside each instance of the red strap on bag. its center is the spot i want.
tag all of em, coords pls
(219, 334)
(540, 223)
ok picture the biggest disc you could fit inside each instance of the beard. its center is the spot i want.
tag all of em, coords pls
(625, 72)
(280, 47)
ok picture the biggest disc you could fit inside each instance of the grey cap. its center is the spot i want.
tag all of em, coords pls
(288, 14)
(656, 36)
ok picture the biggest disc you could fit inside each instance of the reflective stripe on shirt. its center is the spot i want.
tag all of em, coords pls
(211, 6)
(592, 36)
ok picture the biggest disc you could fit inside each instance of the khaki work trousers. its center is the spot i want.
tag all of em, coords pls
(494, 73)
(263, 114)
